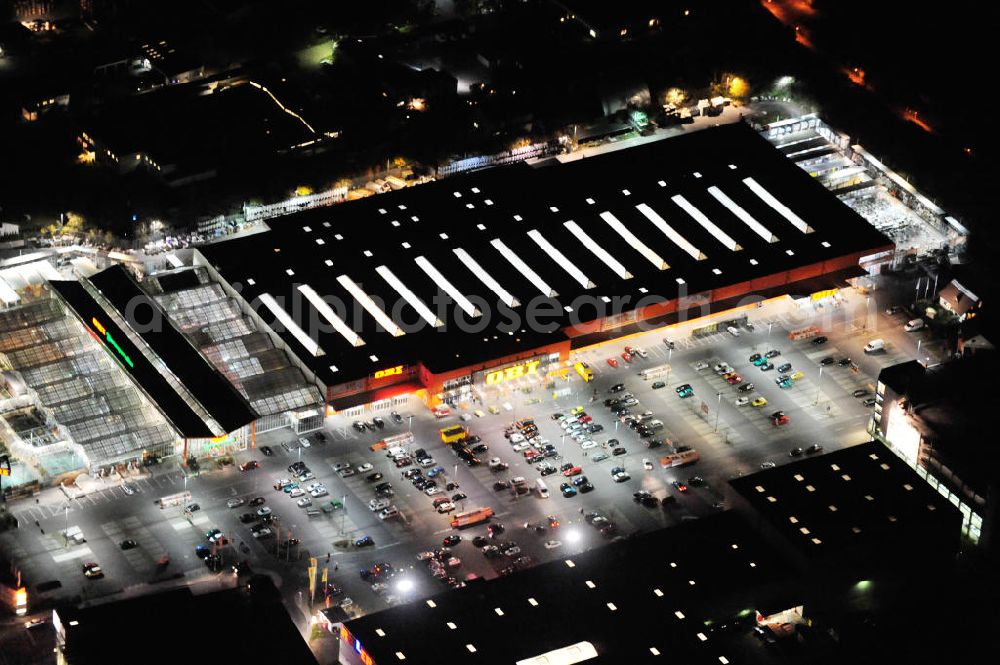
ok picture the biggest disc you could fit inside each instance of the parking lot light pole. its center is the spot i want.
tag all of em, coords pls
(718, 409)
(670, 353)
(410, 424)
(816, 401)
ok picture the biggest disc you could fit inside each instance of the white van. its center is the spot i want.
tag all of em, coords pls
(543, 490)
(733, 331)
(875, 345)
(914, 324)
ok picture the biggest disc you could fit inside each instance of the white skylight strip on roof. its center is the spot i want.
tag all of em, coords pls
(597, 250)
(669, 231)
(409, 296)
(523, 268)
(447, 287)
(487, 279)
(780, 207)
(331, 316)
(634, 242)
(706, 223)
(742, 214)
(370, 306)
(561, 259)
(285, 320)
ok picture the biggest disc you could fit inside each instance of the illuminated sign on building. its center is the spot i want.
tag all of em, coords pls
(4, 465)
(111, 341)
(513, 372)
(391, 371)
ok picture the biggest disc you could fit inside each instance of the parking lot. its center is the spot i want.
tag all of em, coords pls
(730, 439)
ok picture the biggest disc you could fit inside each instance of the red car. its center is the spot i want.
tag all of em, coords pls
(583, 418)
(734, 378)
(626, 356)
(779, 418)
(531, 453)
(247, 466)
(575, 471)
(613, 362)
(628, 350)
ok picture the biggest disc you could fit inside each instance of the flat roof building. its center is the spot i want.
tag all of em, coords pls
(437, 287)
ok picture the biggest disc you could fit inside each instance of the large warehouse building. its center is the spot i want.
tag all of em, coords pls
(448, 287)
(446, 291)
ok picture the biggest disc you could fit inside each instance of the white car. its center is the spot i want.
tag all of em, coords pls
(552, 544)
(742, 401)
(262, 532)
(646, 464)
(313, 486)
(580, 436)
(767, 465)
(378, 504)
(262, 511)
(304, 442)
(309, 475)
(318, 492)
(913, 324)
(446, 507)
(367, 466)
(524, 445)
(431, 491)
(620, 477)
(296, 493)
(516, 437)
(304, 502)
(233, 503)
(640, 352)
(700, 365)
(427, 462)
(388, 513)
(340, 466)
(587, 445)
(424, 556)
(722, 368)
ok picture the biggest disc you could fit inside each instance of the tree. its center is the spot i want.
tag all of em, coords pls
(738, 88)
(675, 96)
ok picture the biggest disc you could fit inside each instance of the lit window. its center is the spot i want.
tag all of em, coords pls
(832, 508)
(470, 206)
(498, 611)
(481, 227)
(399, 654)
(368, 253)
(405, 245)
(307, 229)
(691, 582)
(338, 236)
(789, 252)
(835, 467)
(605, 299)
(251, 282)
(517, 218)
(680, 280)
(702, 637)
(612, 607)
(374, 359)
(659, 594)
(810, 488)
(643, 289)
(804, 531)
(488, 202)
(654, 651)
(533, 602)
(793, 519)
(458, 195)
(716, 271)
(673, 565)
(816, 541)
(590, 585)
(443, 236)
(553, 209)
(401, 206)
(846, 477)
(328, 262)
(570, 564)
(451, 625)
(590, 201)
(380, 632)
(723, 660)
(475, 190)
(825, 243)
(320, 241)
(289, 272)
(381, 211)
(760, 488)
(333, 368)
(626, 192)
(661, 183)
(395, 223)
(732, 167)
(696, 174)
(771, 499)
(471, 648)
(431, 603)
(415, 218)
(679, 614)
(753, 262)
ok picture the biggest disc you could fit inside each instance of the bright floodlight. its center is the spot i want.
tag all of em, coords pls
(404, 585)
(573, 536)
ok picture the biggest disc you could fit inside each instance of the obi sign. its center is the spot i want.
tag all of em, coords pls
(514, 372)
(391, 371)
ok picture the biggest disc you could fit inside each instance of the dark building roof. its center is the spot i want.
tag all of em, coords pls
(902, 376)
(246, 627)
(614, 221)
(668, 590)
(208, 386)
(858, 504)
(176, 410)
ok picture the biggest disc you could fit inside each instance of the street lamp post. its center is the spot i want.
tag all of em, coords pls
(718, 409)
(670, 354)
(410, 425)
(816, 401)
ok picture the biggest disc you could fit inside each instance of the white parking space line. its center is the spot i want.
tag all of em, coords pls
(75, 553)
